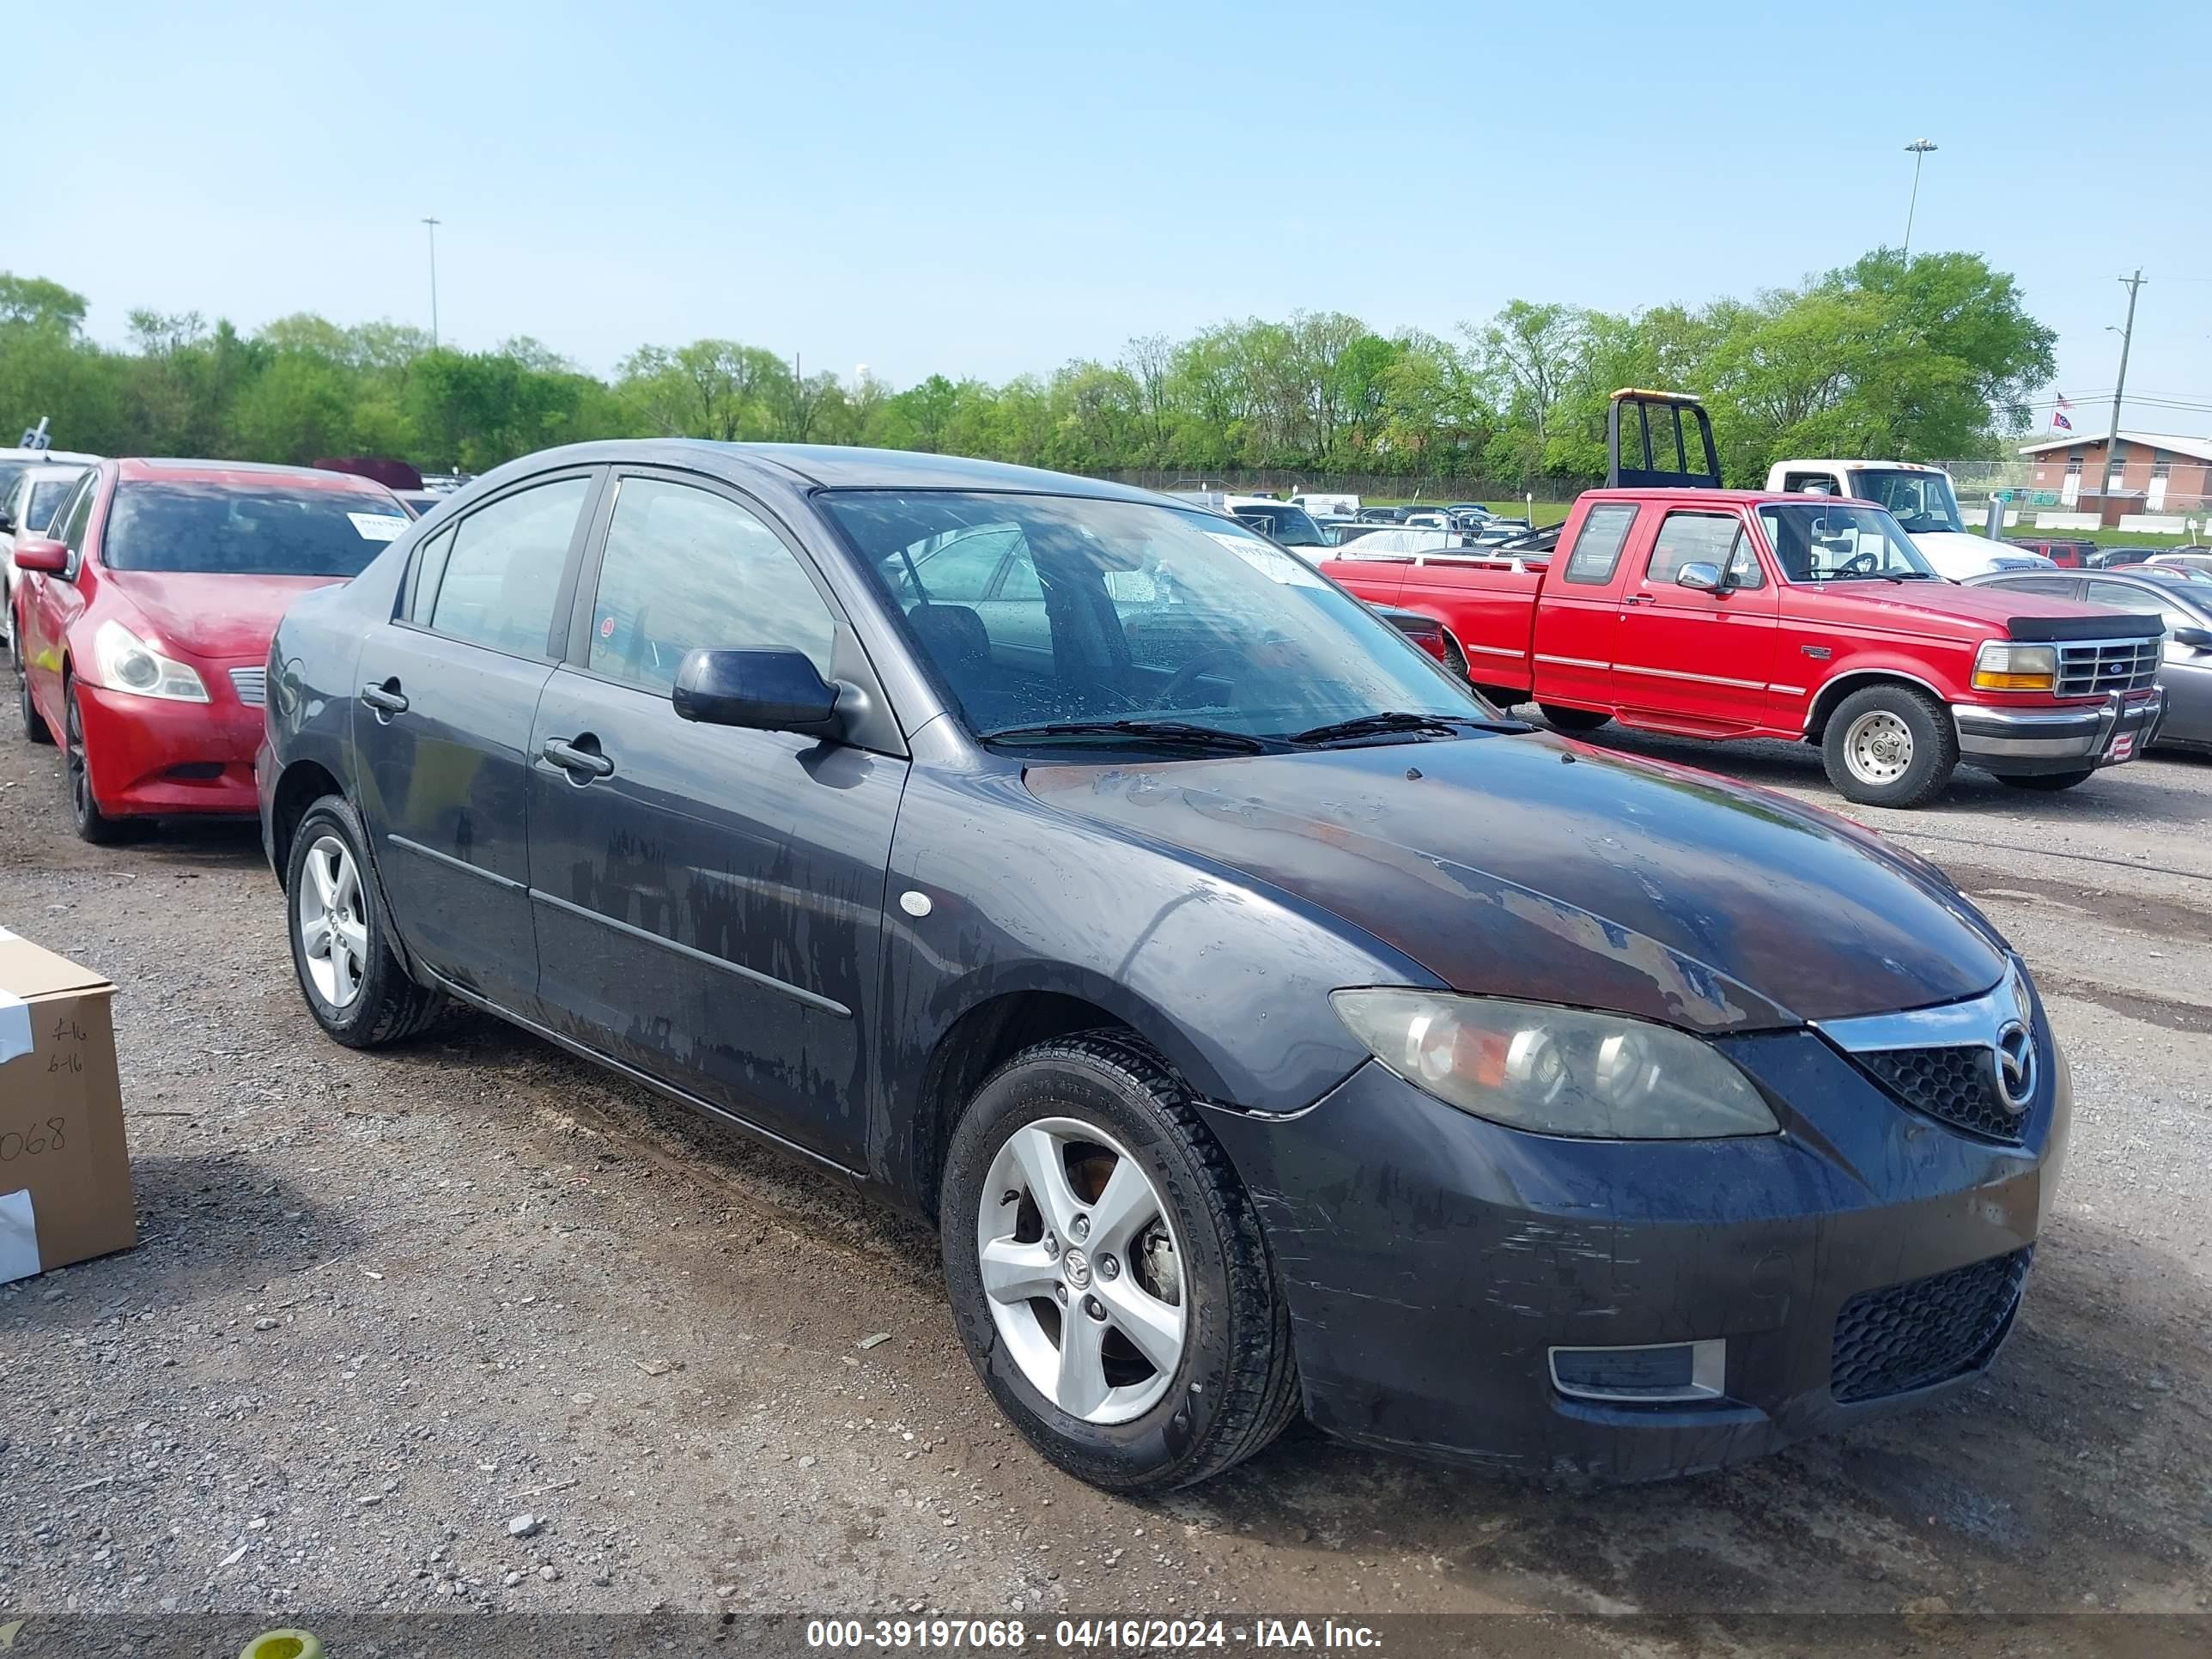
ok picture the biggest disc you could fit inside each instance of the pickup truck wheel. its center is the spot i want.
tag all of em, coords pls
(1890, 746)
(1573, 720)
(1107, 1270)
(2050, 782)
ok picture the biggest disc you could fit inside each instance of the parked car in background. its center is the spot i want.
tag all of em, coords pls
(2112, 558)
(1920, 498)
(141, 624)
(1265, 1024)
(1678, 607)
(417, 501)
(2064, 552)
(1383, 515)
(1290, 526)
(1428, 519)
(1328, 506)
(13, 460)
(2185, 607)
(2192, 561)
(27, 510)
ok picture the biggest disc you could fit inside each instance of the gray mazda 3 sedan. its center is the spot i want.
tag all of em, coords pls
(1266, 1024)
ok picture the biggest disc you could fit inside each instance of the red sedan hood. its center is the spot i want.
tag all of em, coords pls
(216, 617)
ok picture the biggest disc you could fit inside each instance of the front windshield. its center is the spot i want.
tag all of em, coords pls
(1921, 502)
(255, 530)
(1038, 609)
(1815, 542)
(1293, 526)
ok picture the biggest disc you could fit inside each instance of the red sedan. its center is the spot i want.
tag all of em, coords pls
(142, 631)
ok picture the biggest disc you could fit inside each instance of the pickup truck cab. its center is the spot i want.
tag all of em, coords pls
(1673, 606)
(1922, 500)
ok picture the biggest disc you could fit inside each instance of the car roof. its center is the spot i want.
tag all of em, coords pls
(180, 470)
(56, 457)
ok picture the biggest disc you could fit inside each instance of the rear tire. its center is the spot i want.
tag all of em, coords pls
(1573, 720)
(350, 972)
(34, 725)
(2046, 782)
(1184, 1406)
(90, 824)
(1890, 746)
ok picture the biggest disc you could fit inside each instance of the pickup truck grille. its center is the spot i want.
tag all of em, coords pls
(251, 684)
(2090, 668)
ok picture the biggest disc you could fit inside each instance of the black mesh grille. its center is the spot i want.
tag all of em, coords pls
(1910, 1336)
(1957, 1085)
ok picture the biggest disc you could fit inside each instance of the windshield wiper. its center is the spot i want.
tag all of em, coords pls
(1181, 732)
(1396, 719)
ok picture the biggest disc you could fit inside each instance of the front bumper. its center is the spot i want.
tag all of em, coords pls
(2028, 741)
(1433, 1260)
(153, 757)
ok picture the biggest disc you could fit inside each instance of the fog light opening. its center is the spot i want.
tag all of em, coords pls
(1658, 1373)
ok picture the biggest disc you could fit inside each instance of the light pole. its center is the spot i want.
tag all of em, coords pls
(2133, 284)
(432, 225)
(1919, 150)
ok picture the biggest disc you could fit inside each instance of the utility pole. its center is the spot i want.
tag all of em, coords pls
(2127, 338)
(1919, 150)
(433, 225)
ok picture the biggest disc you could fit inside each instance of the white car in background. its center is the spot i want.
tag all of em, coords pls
(1920, 498)
(30, 496)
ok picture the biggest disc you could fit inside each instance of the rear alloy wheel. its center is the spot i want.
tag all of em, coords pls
(1108, 1272)
(91, 823)
(34, 725)
(1890, 746)
(357, 987)
(1573, 720)
(2047, 782)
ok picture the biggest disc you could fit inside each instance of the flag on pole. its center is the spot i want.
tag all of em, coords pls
(2060, 422)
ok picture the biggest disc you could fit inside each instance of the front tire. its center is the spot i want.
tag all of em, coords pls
(34, 725)
(1890, 746)
(356, 985)
(1107, 1270)
(2047, 782)
(90, 824)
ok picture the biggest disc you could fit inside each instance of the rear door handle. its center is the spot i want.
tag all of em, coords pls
(385, 699)
(581, 765)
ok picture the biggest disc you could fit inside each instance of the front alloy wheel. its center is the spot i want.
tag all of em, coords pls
(1107, 1269)
(1083, 1271)
(1878, 748)
(90, 823)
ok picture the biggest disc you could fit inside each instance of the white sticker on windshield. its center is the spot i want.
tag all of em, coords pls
(377, 527)
(1271, 562)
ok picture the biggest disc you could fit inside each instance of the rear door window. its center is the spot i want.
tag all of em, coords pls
(1597, 547)
(502, 576)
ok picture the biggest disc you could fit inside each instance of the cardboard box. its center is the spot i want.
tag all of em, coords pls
(65, 1190)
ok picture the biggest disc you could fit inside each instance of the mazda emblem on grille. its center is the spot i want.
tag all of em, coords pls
(2015, 1067)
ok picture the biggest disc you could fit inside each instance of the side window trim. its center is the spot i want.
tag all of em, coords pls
(564, 594)
(1651, 558)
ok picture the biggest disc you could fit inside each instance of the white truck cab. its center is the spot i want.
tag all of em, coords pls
(1921, 499)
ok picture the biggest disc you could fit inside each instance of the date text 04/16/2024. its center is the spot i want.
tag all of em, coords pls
(1084, 1635)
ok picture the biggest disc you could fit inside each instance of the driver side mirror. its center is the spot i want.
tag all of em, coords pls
(43, 555)
(2198, 639)
(1699, 577)
(7, 522)
(762, 690)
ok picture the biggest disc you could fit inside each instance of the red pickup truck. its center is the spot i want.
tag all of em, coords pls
(1674, 605)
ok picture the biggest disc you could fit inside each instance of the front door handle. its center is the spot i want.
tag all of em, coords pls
(582, 765)
(1636, 598)
(385, 699)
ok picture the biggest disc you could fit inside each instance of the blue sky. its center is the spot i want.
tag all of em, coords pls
(985, 189)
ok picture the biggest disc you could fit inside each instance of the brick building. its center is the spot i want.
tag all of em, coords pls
(2155, 472)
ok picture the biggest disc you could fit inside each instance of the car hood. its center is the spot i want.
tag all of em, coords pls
(1958, 555)
(1979, 611)
(214, 617)
(1530, 866)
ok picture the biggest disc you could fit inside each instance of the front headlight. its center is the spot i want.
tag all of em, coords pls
(127, 663)
(2002, 665)
(1556, 1070)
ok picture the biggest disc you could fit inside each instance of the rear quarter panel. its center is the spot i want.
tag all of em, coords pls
(1491, 609)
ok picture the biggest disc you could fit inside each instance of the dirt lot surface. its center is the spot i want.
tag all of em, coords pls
(387, 1305)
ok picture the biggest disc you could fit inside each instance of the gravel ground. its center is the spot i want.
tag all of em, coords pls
(387, 1305)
